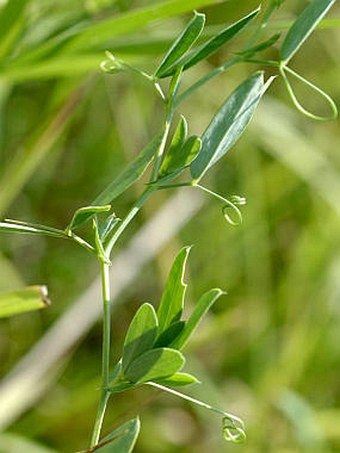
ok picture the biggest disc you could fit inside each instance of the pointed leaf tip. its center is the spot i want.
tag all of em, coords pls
(211, 46)
(303, 27)
(203, 305)
(178, 380)
(182, 44)
(229, 123)
(172, 301)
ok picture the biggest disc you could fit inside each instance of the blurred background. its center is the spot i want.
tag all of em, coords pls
(270, 350)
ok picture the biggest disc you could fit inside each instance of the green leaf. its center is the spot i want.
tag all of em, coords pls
(121, 386)
(183, 43)
(155, 364)
(11, 16)
(171, 304)
(203, 305)
(175, 83)
(170, 334)
(259, 47)
(23, 300)
(131, 174)
(106, 228)
(121, 440)
(16, 226)
(141, 334)
(178, 380)
(303, 27)
(176, 144)
(180, 134)
(177, 160)
(99, 247)
(117, 382)
(228, 124)
(212, 45)
(83, 214)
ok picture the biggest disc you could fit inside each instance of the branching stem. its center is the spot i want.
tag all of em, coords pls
(129, 217)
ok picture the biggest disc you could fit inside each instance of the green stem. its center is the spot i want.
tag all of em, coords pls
(173, 186)
(236, 423)
(81, 242)
(99, 418)
(131, 214)
(274, 63)
(264, 23)
(237, 59)
(197, 402)
(215, 72)
(105, 277)
(229, 204)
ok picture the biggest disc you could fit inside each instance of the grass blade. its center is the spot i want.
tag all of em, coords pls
(134, 20)
(21, 167)
(10, 16)
(23, 300)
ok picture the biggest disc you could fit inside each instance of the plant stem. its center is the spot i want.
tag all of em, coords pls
(228, 203)
(233, 418)
(104, 398)
(129, 217)
(105, 275)
(274, 5)
(82, 243)
(210, 192)
(193, 400)
(215, 72)
(105, 395)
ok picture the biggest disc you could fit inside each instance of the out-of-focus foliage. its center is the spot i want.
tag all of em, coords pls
(66, 129)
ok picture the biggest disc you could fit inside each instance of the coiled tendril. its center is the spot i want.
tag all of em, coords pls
(233, 429)
(230, 204)
(112, 65)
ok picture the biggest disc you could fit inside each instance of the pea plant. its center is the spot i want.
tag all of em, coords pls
(153, 347)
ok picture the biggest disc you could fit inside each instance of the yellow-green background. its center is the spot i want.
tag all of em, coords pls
(270, 350)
